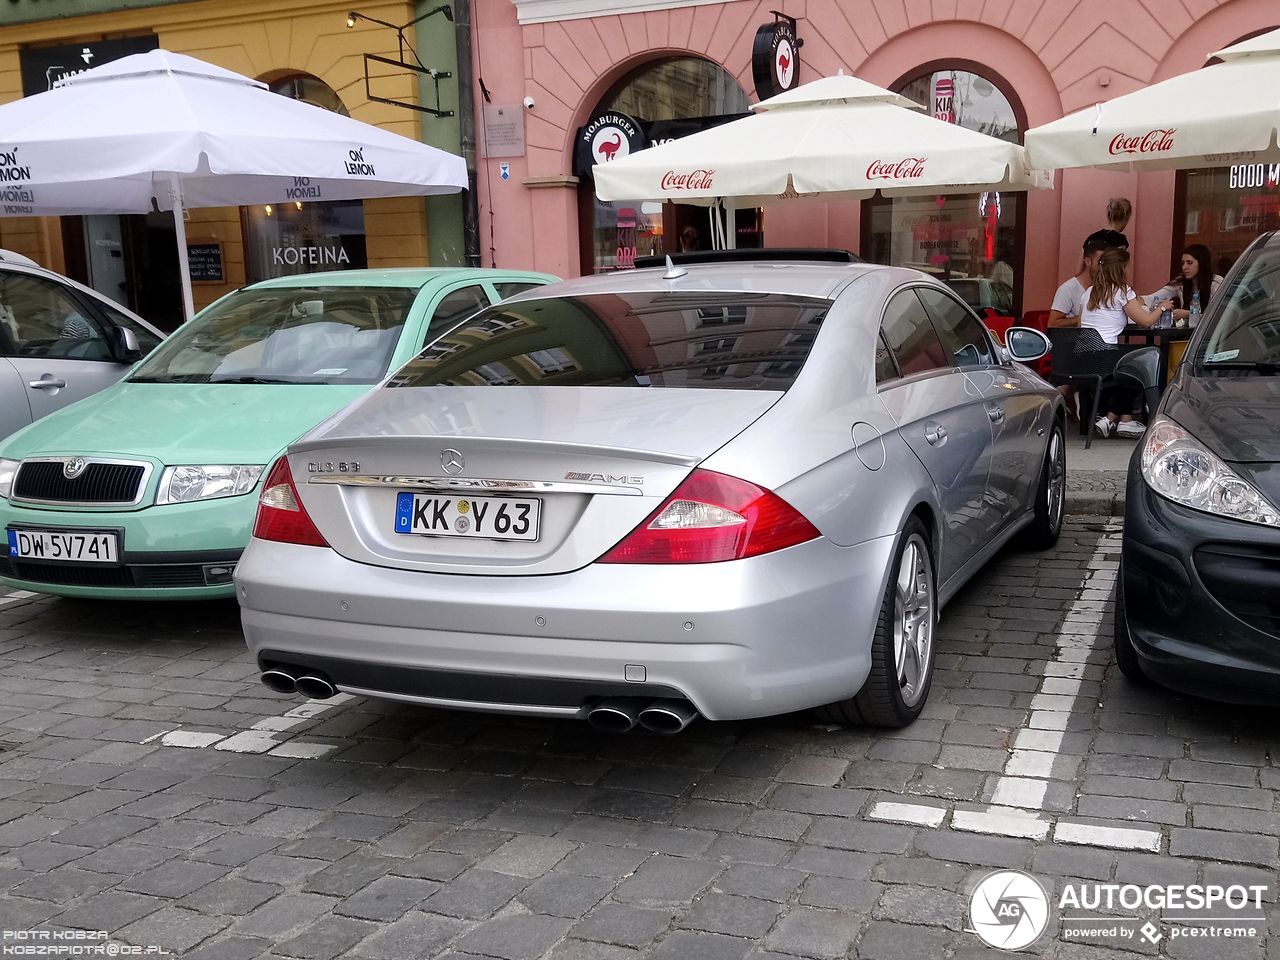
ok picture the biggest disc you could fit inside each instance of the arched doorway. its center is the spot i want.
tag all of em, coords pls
(301, 236)
(974, 241)
(659, 101)
(1224, 208)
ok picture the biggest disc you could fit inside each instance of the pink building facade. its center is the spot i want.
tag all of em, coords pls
(571, 57)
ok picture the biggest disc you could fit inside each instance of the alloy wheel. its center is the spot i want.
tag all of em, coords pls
(913, 620)
(1055, 492)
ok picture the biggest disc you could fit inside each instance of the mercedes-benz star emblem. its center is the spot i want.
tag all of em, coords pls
(73, 467)
(451, 461)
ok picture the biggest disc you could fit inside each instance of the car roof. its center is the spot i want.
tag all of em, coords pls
(405, 277)
(821, 280)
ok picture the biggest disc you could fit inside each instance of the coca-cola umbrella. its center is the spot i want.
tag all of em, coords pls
(1225, 113)
(837, 137)
(164, 131)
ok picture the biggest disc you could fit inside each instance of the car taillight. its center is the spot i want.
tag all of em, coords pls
(713, 517)
(281, 515)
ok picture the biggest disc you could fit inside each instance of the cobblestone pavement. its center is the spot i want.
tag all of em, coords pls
(150, 787)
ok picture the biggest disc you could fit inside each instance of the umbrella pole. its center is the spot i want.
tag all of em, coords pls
(184, 263)
(730, 226)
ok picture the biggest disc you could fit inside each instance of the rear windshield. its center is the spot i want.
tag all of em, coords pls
(285, 335)
(1244, 319)
(739, 341)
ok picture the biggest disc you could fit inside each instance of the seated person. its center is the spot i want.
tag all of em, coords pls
(1068, 301)
(1109, 306)
(1197, 277)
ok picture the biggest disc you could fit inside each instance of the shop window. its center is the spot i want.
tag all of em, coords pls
(959, 238)
(665, 99)
(1227, 208)
(297, 236)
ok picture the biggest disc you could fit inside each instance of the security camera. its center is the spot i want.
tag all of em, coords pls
(528, 103)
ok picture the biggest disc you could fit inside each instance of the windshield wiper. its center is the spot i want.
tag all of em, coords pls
(178, 378)
(252, 380)
(1261, 366)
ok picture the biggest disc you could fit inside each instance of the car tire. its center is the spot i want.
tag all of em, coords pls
(1051, 494)
(895, 692)
(1126, 656)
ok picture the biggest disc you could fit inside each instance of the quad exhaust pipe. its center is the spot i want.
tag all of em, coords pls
(313, 686)
(620, 714)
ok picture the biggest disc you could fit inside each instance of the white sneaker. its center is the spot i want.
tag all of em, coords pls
(1105, 427)
(1130, 428)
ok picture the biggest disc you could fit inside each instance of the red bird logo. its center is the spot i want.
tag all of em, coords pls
(610, 147)
(783, 62)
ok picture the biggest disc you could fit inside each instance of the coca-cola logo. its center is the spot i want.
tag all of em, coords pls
(1153, 141)
(694, 180)
(909, 168)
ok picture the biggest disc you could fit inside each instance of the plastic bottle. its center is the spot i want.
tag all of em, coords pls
(1194, 309)
(1166, 317)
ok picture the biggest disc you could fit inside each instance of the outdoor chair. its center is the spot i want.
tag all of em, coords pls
(1080, 356)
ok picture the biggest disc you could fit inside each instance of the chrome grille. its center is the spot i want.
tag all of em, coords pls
(101, 483)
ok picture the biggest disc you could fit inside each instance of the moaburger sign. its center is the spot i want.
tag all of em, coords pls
(44, 68)
(775, 57)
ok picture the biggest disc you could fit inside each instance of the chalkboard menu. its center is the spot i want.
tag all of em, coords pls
(206, 262)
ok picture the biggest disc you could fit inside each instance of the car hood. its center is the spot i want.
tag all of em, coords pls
(184, 423)
(1235, 417)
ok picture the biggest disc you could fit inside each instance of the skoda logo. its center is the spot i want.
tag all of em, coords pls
(73, 467)
(451, 461)
(1009, 910)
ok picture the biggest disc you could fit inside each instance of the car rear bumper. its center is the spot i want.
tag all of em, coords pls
(174, 552)
(1202, 598)
(741, 639)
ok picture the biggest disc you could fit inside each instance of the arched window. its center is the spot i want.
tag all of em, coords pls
(296, 237)
(974, 242)
(662, 100)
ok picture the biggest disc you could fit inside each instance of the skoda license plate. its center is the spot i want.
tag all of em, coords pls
(486, 518)
(64, 546)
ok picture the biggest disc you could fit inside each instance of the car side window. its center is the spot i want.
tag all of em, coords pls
(962, 333)
(886, 369)
(511, 287)
(910, 335)
(42, 320)
(457, 305)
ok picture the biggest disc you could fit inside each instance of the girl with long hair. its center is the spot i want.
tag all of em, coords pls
(1197, 277)
(1109, 306)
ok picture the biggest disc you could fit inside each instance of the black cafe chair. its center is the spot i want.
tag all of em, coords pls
(1080, 356)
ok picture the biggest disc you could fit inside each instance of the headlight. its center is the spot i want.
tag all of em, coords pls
(1177, 466)
(185, 484)
(8, 470)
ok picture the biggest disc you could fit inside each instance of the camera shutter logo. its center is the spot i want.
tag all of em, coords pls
(1009, 910)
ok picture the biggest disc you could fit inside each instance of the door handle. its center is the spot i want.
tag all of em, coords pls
(46, 384)
(935, 433)
(996, 414)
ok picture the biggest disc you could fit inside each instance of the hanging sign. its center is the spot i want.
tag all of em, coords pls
(606, 136)
(775, 57)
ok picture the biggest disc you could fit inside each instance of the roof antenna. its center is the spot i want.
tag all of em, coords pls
(674, 272)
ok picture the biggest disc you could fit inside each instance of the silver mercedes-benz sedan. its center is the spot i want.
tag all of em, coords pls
(732, 490)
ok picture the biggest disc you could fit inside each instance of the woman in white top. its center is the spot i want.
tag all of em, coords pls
(1109, 306)
(1197, 277)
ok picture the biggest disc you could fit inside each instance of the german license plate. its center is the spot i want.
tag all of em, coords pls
(486, 518)
(64, 546)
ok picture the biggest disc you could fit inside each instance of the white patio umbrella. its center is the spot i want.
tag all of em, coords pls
(167, 131)
(1223, 114)
(834, 138)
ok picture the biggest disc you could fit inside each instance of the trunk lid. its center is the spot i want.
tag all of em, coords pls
(598, 460)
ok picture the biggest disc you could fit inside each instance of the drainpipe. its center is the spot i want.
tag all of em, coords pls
(467, 130)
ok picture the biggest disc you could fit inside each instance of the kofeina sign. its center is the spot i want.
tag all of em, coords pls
(44, 68)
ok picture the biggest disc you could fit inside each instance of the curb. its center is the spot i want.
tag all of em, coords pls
(1094, 503)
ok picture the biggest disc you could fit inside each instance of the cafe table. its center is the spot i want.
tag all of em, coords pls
(1163, 337)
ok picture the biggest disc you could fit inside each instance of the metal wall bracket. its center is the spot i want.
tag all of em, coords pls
(436, 75)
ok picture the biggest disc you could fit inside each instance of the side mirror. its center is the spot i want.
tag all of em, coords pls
(127, 348)
(1025, 344)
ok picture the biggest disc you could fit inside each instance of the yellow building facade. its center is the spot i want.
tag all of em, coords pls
(269, 40)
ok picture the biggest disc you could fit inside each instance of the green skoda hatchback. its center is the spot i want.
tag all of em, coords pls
(147, 490)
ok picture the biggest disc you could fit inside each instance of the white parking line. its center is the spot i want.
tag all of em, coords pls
(268, 735)
(16, 597)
